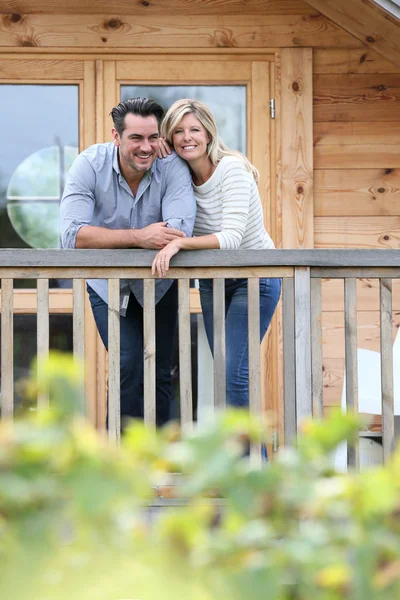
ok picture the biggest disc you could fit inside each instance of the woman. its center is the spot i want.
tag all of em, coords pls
(229, 216)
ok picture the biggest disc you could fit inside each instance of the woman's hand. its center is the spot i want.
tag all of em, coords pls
(161, 260)
(164, 148)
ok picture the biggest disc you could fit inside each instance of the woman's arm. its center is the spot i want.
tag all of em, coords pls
(162, 259)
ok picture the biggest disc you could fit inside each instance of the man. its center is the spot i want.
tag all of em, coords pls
(120, 195)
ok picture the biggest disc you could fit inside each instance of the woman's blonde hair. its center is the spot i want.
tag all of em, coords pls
(216, 149)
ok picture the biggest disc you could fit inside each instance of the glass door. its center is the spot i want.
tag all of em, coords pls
(42, 102)
(238, 93)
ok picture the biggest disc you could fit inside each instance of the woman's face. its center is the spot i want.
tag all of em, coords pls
(190, 139)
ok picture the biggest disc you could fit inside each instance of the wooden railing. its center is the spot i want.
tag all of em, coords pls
(302, 272)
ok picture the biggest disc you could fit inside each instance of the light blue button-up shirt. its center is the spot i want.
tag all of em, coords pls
(96, 193)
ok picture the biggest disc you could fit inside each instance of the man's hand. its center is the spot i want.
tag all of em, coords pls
(164, 148)
(158, 235)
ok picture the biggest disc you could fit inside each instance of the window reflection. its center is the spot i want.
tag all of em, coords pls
(43, 134)
(227, 103)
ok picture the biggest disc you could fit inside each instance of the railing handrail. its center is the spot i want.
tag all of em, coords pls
(326, 258)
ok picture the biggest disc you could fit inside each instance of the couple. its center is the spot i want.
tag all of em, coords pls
(135, 192)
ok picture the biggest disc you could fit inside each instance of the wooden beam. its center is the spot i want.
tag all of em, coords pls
(297, 148)
(365, 22)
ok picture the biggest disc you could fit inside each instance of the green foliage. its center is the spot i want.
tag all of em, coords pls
(77, 517)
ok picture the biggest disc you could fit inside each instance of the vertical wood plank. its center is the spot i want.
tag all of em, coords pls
(114, 410)
(387, 368)
(289, 361)
(43, 336)
(219, 343)
(303, 344)
(149, 352)
(253, 302)
(111, 98)
(297, 148)
(99, 101)
(89, 101)
(185, 363)
(78, 332)
(7, 349)
(316, 348)
(91, 365)
(350, 334)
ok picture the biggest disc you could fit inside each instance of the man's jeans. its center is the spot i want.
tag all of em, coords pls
(131, 335)
(237, 343)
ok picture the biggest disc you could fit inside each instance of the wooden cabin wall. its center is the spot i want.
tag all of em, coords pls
(356, 186)
(352, 174)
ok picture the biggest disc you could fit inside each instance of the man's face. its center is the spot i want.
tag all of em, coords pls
(138, 143)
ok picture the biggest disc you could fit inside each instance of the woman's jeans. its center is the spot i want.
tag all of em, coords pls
(237, 341)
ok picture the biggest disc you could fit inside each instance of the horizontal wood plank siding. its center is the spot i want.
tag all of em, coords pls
(356, 192)
(357, 232)
(164, 7)
(166, 31)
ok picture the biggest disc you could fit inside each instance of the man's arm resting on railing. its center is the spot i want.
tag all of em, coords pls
(154, 236)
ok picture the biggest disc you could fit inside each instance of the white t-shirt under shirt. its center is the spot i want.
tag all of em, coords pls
(229, 205)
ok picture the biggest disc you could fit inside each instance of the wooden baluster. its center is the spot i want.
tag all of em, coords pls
(316, 348)
(43, 336)
(185, 363)
(387, 385)
(303, 344)
(114, 409)
(7, 349)
(350, 333)
(149, 352)
(79, 332)
(253, 288)
(289, 361)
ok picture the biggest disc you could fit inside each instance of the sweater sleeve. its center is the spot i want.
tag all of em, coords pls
(236, 185)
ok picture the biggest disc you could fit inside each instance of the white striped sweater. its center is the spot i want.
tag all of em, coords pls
(229, 205)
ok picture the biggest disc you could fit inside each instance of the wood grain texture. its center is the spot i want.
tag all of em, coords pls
(260, 133)
(367, 294)
(114, 344)
(364, 21)
(136, 264)
(253, 288)
(387, 383)
(181, 70)
(356, 192)
(126, 31)
(357, 232)
(78, 320)
(368, 332)
(185, 363)
(360, 156)
(366, 97)
(289, 362)
(316, 348)
(356, 133)
(149, 352)
(48, 69)
(350, 60)
(159, 7)
(43, 337)
(7, 346)
(297, 151)
(302, 293)
(351, 364)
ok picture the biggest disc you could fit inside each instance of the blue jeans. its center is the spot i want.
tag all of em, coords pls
(131, 339)
(236, 320)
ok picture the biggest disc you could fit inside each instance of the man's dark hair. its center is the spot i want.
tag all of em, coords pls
(142, 107)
